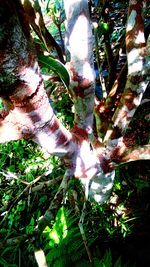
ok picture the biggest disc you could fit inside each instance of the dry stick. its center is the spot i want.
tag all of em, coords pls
(19, 197)
(83, 234)
(46, 184)
(19, 265)
(102, 80)
(13, 241)
(10, 175)
(117, 83)
(48, 217)
(42, 185)
(39, 254)
(44, 221)
(101, 123)
(110, 62)
(55, 204)
(40, 258)
(80, 224)
(108, 49)
(58, 199)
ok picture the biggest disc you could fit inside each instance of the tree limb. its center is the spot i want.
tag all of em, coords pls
(80, 43)
(137, 153)
(138, 68)
(117, 153)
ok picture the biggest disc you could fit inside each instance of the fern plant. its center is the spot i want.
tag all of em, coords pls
(64, 245)
(107, 261)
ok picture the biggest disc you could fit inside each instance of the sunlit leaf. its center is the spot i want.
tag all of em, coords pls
(56, 66)
(59, 230)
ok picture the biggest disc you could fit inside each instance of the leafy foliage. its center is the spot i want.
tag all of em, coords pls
(63, 243)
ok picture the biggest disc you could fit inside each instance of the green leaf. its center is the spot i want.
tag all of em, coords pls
(103, 28)
(118, 262)
(56, 66)
(141, 184)
(59, 230)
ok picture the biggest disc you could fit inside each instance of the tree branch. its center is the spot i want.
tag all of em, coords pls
(138, 153)
(137, 80)
(80, 44)
(118, 152)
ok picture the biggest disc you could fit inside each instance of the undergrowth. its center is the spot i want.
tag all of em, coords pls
(20, 208)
